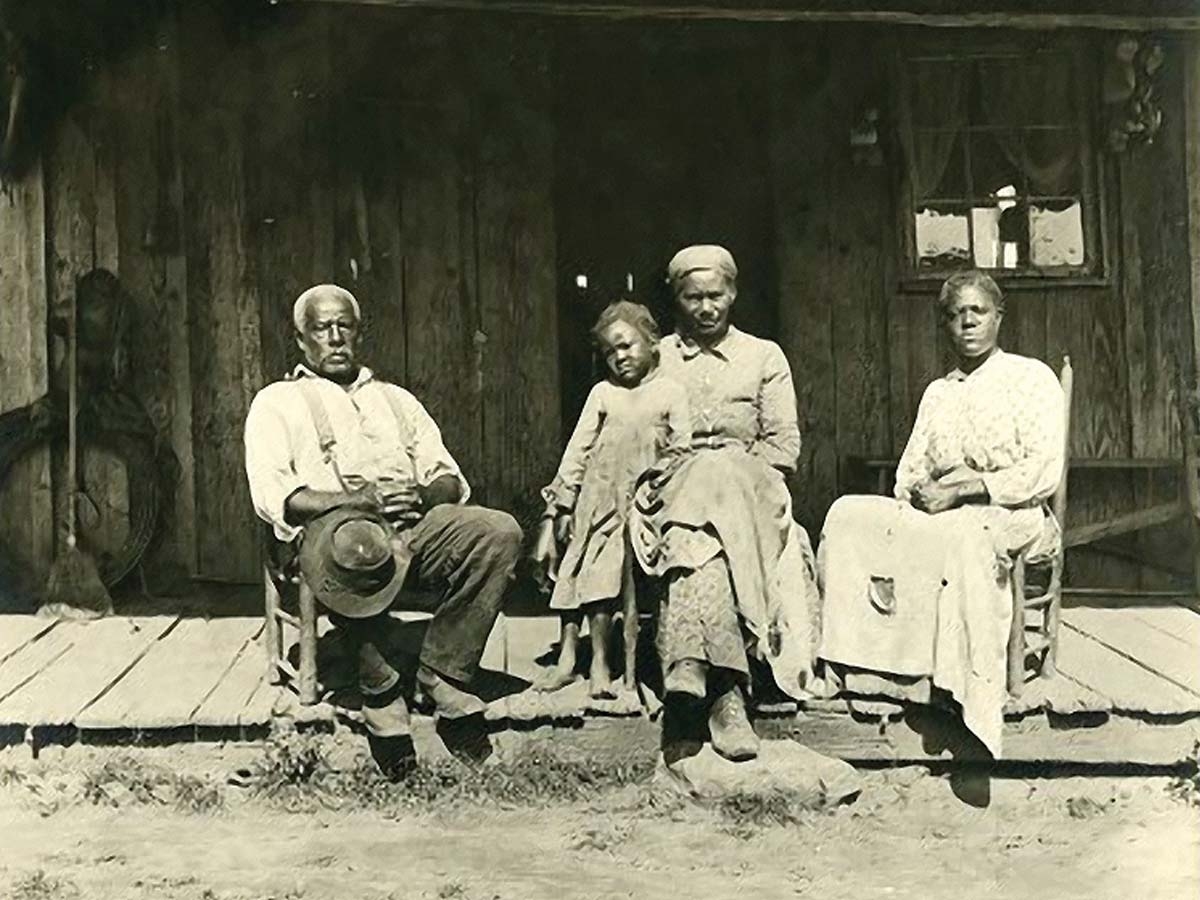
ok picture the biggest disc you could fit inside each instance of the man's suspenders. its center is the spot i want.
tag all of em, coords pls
(326, 439)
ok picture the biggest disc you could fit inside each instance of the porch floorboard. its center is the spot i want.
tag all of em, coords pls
(149, 673)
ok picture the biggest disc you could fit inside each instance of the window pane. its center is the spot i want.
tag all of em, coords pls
(995, 246)
(943, 238)
(1056, 233)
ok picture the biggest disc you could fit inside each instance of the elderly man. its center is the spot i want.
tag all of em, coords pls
(719, 526)
(916, 589)
(333, 437)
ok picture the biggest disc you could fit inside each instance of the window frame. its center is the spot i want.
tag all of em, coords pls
(973, 45)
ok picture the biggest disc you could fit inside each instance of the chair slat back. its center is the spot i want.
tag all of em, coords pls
(1058, 503)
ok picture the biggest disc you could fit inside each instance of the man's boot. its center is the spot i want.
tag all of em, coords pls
(460, 717)
(389, 732)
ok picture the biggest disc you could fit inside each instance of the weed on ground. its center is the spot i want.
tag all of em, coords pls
(40, 886)
(1186, 787)
(301, 772)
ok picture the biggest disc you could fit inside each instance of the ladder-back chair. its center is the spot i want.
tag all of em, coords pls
(281, 579)
(290, 606)
(1033, 636)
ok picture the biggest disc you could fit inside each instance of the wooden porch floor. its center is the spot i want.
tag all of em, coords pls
(166, 672)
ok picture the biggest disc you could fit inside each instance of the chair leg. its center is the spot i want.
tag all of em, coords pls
(1051, 622)
(272, 633)
(630, 620)
(1016, 632)
(1190, 488)
(307, 688)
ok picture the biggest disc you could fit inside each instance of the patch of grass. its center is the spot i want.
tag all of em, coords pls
(125, 780)
(290, 760)
(40, 886)
(744, 814)
(295, 773)
(604, 836)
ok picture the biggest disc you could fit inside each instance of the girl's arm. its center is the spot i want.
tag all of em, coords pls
(679, 422)
(560, 494)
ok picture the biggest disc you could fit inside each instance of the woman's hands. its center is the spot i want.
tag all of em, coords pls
(953, 489)
(935, 496)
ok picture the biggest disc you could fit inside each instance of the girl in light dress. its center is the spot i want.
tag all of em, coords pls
(635, 420)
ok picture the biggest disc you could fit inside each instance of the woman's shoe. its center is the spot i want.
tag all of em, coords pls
(732, 735)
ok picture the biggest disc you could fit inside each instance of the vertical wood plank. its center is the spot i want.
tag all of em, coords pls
(1161, 210)
(855, 265)
(516, 265)
(368, 103)
(1191, 132)
(223, 298)
(283, 160)
(152, 267)
(1087, 324)
(26, 509)
(438, 237)
(800, 94)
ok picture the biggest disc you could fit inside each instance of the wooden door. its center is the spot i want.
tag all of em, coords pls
(661, 143)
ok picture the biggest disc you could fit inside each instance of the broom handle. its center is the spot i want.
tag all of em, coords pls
(72, 411)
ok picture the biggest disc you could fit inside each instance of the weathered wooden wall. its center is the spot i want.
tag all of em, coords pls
(238, 161)
(419, 159)
(864, 348)
(391, 154)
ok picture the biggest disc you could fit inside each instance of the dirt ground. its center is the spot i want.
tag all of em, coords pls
(907, 836)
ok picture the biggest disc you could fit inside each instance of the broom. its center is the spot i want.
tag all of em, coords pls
(74, 589)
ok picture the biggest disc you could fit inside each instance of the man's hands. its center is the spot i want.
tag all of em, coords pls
(553, 532)
(398, 502)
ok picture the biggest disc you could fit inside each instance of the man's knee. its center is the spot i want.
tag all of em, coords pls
(498, 535)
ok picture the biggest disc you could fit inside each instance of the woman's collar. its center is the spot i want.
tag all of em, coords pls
(690, 348)
(959, 375)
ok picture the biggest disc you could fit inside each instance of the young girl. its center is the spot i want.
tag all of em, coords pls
(629, 423)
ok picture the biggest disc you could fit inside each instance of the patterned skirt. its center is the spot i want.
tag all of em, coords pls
(699, 620)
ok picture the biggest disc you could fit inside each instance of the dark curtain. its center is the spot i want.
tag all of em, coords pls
(1029, 102)
(936, 98)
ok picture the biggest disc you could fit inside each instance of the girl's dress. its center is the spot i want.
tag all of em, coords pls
(620, 434)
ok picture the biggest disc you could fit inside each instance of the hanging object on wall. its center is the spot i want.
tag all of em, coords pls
(1133, 114)
(864, 139)
(112, 424)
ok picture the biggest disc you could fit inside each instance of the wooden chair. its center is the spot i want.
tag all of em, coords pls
(1033, 635)
(281, 579)
(289, 604)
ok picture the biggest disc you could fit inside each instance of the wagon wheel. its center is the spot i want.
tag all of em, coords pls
(118, 497)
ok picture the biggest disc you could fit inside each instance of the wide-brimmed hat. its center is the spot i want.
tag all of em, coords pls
(350, 561)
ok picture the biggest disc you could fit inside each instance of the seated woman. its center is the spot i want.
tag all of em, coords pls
(718, 526)
(916, 589)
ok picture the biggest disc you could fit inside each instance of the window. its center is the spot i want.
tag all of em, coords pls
(999, 170)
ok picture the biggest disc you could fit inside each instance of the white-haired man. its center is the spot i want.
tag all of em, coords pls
(333, 436)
